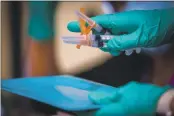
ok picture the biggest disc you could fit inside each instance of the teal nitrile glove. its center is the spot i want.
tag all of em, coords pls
(145, 28)
(132, 99)
(41, 20)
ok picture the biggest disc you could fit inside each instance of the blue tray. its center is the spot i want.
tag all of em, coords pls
(65, 92)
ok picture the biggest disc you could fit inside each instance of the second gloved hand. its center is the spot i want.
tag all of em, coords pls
(132, 99)
(144, 28)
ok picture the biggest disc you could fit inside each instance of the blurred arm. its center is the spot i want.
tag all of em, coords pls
(166, 102)
(41, 59)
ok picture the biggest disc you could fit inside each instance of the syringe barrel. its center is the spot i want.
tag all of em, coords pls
(94, 41)
(87, 40)
(100, 29)
(98, 40)
(81, 39)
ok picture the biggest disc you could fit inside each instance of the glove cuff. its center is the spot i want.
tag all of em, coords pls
(169, 15)
(40, 29)
(41, 20)
(169, 36)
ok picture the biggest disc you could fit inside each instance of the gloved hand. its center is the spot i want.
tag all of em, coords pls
(145, 28)
(41, 20)
(132, 99)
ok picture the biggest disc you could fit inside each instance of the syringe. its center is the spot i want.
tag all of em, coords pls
(100, 29)
(93, 41)
(88, 40)
(92, 23)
